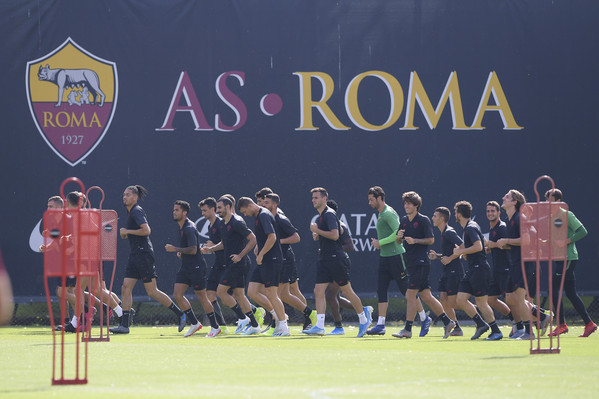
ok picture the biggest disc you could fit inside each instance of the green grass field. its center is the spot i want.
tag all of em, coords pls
(157, 362)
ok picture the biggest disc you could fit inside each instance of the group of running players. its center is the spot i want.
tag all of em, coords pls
(404, 257)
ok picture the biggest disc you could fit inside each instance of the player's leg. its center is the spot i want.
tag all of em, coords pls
(154, 293)
(127, 302)
(209, 310)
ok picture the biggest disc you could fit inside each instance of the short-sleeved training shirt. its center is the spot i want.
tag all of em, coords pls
(513, 231)
(328, 221)
(214, 236)
(265, 225)
(500, 257)
(472, 233)
(419, 227)
(137, 217)
(284, 230)
(449, 239)
(233, 236)
(189, 236)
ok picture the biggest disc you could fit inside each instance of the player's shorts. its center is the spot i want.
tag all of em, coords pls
(141, 267)
(499, 283)
(476, 280)
(333, 269)
(214, 276)
(391, 268)
(193, 276)
(288, 269)
(516, 279)
(235, 274)
(268, 273)
(450, 279)
(418, 277)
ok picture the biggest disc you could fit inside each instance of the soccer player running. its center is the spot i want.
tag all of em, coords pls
(476, 281)
(140, 265)
(192, 272)
(576, 231)
(288, 235)
(332, 265)
(416, 232)
(499, 257)
(234, 234)
(453, 271)
(332, 293)
(391, 261)
(516, 295)
(208, 208)
(269, 258)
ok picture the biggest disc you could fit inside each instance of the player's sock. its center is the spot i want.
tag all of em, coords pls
(422, 315)
(253, 307)
(253, 321)
(542, 315)
(126, 319)
(283, 324)
(362, 317)
(527, 326)
(191, 317)
(408, 326)
(381, 320)
(212, 318)
(457, 325)
(338, 324)
(175, 309)
(510, 316)
(320, 321)
(444, 319)
(219, 313)
(238, 311)
(520, 326)
(307, 311)
(494, 327)
(478, 320)
(74, 321)
(118, 310)
(274, 314)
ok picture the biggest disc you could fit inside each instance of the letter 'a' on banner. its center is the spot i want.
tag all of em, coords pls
(544, 235)
(71, 251)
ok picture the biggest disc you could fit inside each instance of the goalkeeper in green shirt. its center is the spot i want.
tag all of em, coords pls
(391, 262)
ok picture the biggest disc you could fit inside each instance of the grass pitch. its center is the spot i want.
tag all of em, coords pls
(157, 362)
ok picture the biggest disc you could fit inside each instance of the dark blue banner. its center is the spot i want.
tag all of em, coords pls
(455, 100)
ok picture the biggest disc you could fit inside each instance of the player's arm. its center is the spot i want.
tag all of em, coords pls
(330, 234)
(477, 246)
(579, 230)
(144, 230)
(248, 247)
(212, 249)
(420, 241)
(292, 239)
(271, 239)
(186, 251)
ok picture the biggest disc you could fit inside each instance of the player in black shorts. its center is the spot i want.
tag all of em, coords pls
(237, 240)
(453, 271)
(476, 281)
(192, 272)
(416, 234)
(141, 260)
(516, 295)
(499, 257)
(288, 235)
(332, 265)
(269, 259)
(208, 208)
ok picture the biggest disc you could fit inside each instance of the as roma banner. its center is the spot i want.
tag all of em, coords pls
(72, 96)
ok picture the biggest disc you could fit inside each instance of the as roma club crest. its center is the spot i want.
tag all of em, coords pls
(72, 96)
